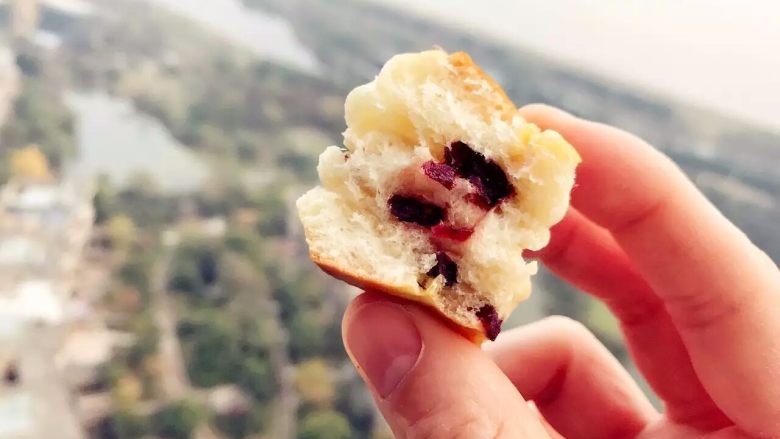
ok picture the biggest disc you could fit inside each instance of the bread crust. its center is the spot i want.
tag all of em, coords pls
(366, 284)
(466, 69)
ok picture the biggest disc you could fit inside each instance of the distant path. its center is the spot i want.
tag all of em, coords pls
(286, 404)
(174, 381)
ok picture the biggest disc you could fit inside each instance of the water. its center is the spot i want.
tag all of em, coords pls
(115, 139)
(266, 35)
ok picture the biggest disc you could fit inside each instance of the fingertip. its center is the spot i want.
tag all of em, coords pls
(365, 298)
(546, 116)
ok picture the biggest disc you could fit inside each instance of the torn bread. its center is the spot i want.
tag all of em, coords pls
(439, 188)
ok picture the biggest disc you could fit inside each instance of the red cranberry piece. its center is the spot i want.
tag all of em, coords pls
(485, 175)
(452, 233)
(490, 321)
(415, 210)
(446, 267)
(441, 173)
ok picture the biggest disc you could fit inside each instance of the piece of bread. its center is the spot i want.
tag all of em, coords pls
(439, 188)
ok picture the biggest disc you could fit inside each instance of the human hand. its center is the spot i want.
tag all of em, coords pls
(698, 303)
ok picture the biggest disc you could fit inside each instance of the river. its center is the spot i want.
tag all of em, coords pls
(117, 140)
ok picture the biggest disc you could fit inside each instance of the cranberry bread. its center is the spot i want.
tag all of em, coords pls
(439, 188)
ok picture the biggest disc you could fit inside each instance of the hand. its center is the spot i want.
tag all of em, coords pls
(698, 303)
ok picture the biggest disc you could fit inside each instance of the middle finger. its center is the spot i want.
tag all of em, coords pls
(587, 256)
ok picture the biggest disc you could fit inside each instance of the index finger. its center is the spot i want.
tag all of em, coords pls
(720, 289)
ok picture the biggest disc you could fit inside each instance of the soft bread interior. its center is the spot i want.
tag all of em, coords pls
(417, 106)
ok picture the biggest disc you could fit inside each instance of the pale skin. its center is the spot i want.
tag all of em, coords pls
(698, 303)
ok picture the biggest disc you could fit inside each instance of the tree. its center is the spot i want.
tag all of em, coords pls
(136, 271)
(307, 335)
(245, 243)
(324, 424)
(314, 383)
(147, 337)
(273, 211)
(177, 420)
(126, 423)
(211, 350)
(104, 200)
(195, 268)
(121, 231)
(141, 199)
(40, 117)
(240, 424)
(257, 377)
(354, 401)
(127, 388)
(30, 162)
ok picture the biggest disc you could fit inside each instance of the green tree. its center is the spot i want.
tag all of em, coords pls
(355, 402)
(195, 268)
(240, 424)
(136, 271)
(247, 244)
(128, 424)
(104, 201)
(210, 348)
(121, 231)
(147, 337)
(177, 420)
(273, 211)
(40, 117)
(314, 383)
(141, 199)
(324, 424)
(307, 335)
(257, 377)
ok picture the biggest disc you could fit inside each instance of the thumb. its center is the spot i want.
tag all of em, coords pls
(429, 381)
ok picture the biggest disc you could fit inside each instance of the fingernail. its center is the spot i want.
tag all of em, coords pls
(385, 343)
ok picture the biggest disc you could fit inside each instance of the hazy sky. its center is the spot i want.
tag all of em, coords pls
(715, 53)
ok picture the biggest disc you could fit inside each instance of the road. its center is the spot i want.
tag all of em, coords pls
(287, 401)
(174, 381)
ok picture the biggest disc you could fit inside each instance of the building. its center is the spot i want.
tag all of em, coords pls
(43, 22)
(10, 83)
(25, 16)
(35, 401)
(44, 227)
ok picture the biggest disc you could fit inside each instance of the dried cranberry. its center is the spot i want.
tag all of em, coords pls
(446, 267)
(452, 233)
(415, 210)
(485, 175)
(490, 321)
(441, 173)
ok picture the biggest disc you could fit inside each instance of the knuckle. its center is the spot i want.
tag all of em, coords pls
(572, 334)
(639, 310)
(567, 325)
(698, 312)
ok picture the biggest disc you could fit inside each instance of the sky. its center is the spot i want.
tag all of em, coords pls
(719, 54)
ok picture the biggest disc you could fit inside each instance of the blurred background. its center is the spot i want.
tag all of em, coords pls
(154, 282)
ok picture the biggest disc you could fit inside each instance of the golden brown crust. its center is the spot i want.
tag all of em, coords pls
(465, 69)
(366, 284)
